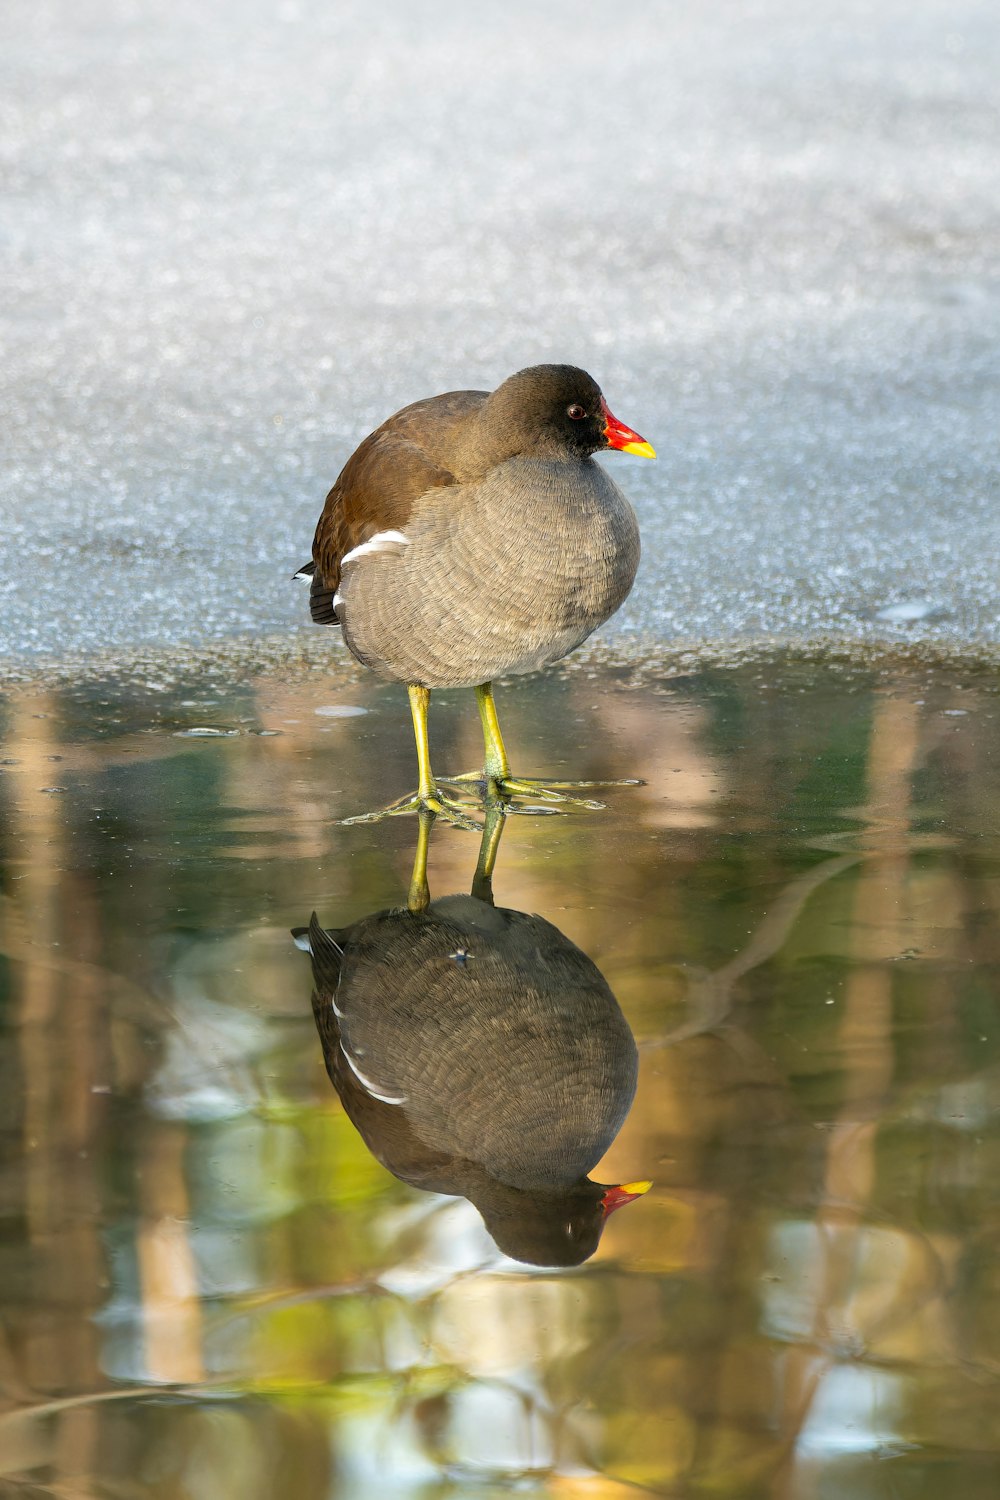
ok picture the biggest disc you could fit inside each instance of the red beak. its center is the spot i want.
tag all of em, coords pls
(623, 438)
(623, 1193)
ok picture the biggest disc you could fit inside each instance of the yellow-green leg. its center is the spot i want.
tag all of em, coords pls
(427, 797)
(419, 896)
(482, 881)
(497, 767)
(496, 780)
(420, 699)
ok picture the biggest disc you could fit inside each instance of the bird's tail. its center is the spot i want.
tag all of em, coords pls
(323, 600)
(326, 953)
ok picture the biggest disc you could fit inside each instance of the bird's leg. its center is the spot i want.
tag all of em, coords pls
(427, 797)
(496, 780)
(420, 699)
(496, 768)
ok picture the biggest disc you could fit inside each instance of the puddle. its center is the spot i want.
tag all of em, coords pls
(211, 1286)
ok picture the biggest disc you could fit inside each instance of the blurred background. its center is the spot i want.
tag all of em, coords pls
(235, 238)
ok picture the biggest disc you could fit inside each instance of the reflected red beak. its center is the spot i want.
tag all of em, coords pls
(623, 438)
(623, 1193)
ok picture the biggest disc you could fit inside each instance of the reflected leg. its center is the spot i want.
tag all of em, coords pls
(482, 881)
(419, 896)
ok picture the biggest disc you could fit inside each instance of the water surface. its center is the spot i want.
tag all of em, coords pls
(210, 1287)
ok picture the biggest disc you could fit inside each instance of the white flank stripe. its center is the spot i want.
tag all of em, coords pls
(382, 541)
(367, 1084)
(337, 600)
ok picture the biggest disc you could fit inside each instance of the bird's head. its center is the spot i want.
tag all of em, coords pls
(557, 411)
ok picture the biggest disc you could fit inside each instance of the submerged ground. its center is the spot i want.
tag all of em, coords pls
(211, 1288)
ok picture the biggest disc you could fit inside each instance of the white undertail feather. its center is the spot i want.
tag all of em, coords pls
(382, 541)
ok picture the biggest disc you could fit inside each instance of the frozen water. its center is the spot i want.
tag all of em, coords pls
(237, 236)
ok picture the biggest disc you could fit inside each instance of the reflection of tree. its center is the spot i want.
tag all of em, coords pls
(61, 1120)
(880, 1286)
(840, 1324)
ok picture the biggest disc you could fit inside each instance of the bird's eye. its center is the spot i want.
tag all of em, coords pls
(576, 411)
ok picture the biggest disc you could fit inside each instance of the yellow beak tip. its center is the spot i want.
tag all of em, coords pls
(641, 450)
(636, 1187)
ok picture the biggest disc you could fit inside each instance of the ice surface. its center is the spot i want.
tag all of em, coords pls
(237, 236)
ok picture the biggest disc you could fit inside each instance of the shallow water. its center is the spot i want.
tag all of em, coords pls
(210, 1287)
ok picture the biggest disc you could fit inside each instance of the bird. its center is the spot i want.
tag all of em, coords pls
(480, 1053)
(472, 536)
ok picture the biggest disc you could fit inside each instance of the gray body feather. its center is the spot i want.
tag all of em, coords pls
(512, 573)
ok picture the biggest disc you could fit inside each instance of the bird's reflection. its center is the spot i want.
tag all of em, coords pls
(480, 1053)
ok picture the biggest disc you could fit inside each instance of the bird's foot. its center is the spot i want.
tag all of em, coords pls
(554, 796)
(453, 810)
(548, 793)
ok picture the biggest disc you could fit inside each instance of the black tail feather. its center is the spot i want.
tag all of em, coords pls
(321, 605)
(327, 957)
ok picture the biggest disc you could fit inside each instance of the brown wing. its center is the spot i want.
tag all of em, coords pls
(377, 488)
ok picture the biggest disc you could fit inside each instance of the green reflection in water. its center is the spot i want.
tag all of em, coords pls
(208, 1286)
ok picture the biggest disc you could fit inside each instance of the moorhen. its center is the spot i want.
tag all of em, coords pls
(480, 1053)
(470, 536)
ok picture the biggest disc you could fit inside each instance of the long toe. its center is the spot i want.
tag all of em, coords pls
(448, 809)
(536, 783)
(512, 787)
(465, 778)
(558, 791)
